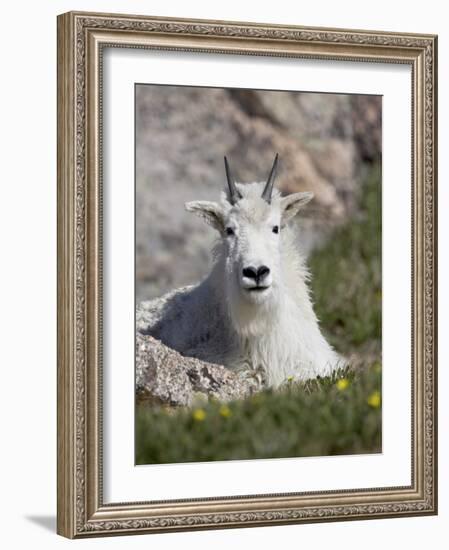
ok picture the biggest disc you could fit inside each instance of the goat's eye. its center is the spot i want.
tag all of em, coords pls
(229, 231)
(276, 229)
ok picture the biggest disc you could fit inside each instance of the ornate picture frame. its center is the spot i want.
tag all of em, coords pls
(82, 38)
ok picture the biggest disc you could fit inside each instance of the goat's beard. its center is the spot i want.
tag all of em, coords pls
(250, 312)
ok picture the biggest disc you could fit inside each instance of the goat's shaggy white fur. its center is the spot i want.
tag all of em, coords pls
(277, 337)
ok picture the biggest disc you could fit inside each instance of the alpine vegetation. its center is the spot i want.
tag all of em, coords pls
(253, 312)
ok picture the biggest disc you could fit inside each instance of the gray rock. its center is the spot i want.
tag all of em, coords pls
(164, 377)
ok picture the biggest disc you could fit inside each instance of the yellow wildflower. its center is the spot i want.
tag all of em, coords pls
(225, 411)
(374, 400)
(290, 378)
(342, 384)
(199, 415)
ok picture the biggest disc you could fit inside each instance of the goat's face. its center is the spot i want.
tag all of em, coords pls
(250, 224)
(251, 247)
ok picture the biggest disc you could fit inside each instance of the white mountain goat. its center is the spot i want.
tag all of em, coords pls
(253, 312)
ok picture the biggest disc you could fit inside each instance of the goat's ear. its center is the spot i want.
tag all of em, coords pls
(292, 204)
(211, 212)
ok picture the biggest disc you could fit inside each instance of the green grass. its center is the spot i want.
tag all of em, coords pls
(347, 278)
(328, 416)
(313, 419)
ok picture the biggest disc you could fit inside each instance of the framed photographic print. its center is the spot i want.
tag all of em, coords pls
(246, 274)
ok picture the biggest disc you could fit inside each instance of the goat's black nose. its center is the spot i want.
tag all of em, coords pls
(256, 274)
(250, 272)
(262, 272)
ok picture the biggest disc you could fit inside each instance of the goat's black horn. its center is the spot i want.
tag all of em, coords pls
(234, 193)
(267, 192)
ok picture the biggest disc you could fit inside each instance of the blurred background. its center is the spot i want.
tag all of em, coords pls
(326, 143)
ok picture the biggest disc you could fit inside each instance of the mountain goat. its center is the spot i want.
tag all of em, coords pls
(253, 312)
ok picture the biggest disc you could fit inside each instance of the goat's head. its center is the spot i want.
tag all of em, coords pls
(250, 219)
